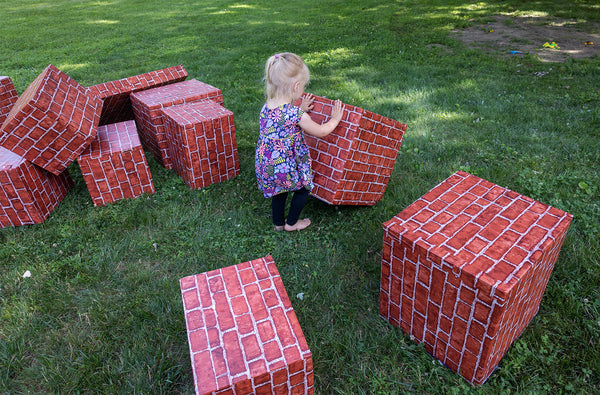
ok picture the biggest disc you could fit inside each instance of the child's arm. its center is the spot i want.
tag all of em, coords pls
(314, 129)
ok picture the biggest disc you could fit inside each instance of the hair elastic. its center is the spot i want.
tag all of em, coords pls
(276, 56)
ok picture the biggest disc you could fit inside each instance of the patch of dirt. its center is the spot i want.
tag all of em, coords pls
(517, 36)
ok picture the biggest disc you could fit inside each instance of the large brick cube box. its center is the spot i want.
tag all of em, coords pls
(464, 269)
(353, 164)
(116, 104)
(148, 105)
(28, 194)
(52, 121)
(202, 143)
(8, 97)
(114, 166)
(243, 334)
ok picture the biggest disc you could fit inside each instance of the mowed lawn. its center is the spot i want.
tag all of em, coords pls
(102, 310)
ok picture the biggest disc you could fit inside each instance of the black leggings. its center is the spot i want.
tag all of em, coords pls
(278, 207)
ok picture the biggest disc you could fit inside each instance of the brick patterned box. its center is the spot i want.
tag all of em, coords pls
(148, 105)
(353, 164)
(243, 334)
(202, 143)
(116, 105)
(464, 269)
(52, 122)
(28, 194)
(114, 166)
(8, 97)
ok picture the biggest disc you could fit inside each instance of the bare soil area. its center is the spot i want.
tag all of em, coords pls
(517, 36)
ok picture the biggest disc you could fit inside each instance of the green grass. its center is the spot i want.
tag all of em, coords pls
(102, 311)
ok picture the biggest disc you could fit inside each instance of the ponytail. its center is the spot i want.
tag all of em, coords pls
(282, 70)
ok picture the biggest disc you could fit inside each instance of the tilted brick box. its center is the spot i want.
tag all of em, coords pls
(148, 105)
(202, 143)
(116, 105)
(464, 269)
(52, 121)
(8, 97)
(243, 334)
(114, 166)
(28, 194)
(353, 164)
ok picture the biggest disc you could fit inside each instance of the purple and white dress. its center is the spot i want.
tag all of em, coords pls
(282, 158)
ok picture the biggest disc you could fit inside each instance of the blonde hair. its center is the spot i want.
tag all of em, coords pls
(281, 73)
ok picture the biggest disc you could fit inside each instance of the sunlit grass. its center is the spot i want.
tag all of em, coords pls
(103, 22)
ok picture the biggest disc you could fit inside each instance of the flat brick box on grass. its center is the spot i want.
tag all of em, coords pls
(243, 334)
(148, 105)
(114, 166)
(202, 143)
(464, 269)
(52, 121)
(8, 97)
(353, 164)
(116, 105)
(28, 194)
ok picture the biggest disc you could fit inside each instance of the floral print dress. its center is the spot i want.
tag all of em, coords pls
(282, 158)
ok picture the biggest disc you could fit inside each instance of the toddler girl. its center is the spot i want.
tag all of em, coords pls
(282, 158)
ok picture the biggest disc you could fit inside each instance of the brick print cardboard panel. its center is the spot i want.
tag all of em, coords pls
(464, 269)
(114, 166)
(52, 122)
(8, 97)
(202, 143)
(116, 105)
(148, 105)
(243, 334)
(353, 164)
(28, 194)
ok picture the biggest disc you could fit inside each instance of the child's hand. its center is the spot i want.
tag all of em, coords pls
(338, 111)
(322, 130)
(307, 102)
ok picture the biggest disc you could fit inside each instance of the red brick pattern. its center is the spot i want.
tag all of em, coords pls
(115, 94)
(202, 143)
(464, 269)
(353, 164)
(114, 166)
(52, 122)
(8, 97)
(243, 334)
(28, 194)
(148, 105)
